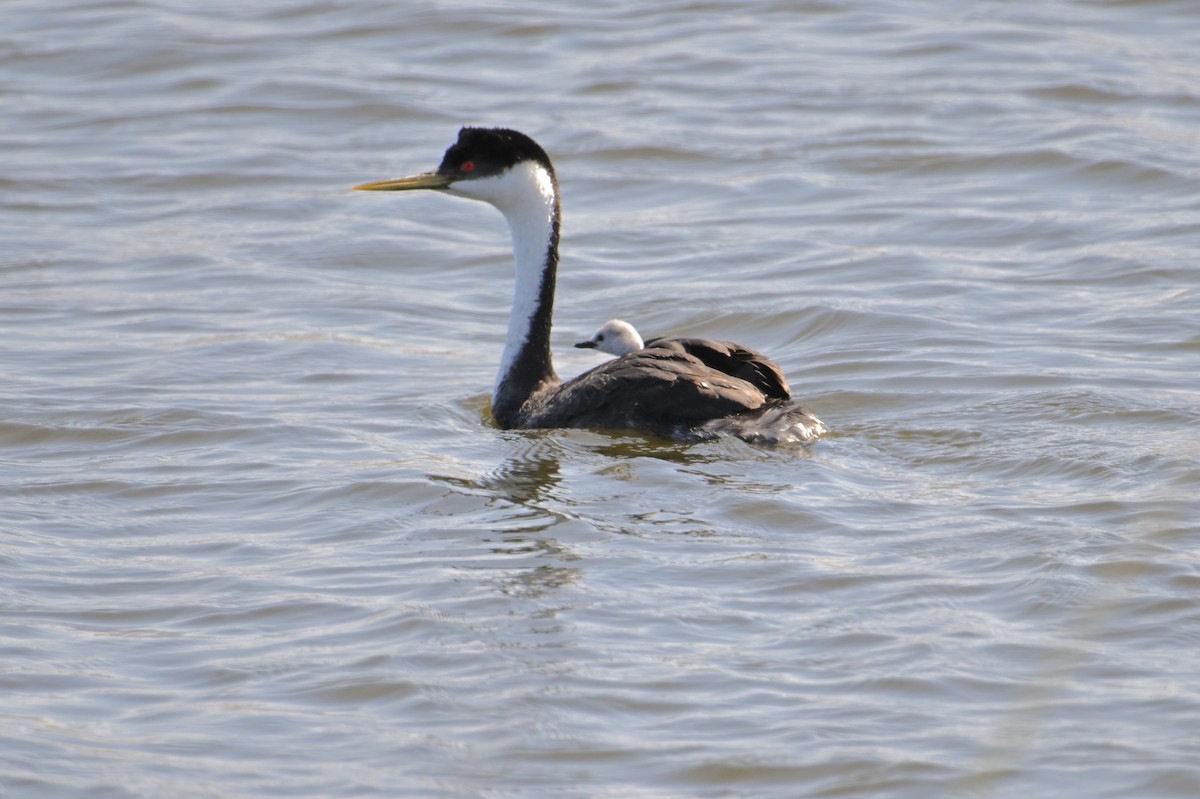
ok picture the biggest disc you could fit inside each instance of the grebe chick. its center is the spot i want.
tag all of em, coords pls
(616, 337)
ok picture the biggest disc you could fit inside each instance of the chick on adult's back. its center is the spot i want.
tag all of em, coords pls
(618, 337)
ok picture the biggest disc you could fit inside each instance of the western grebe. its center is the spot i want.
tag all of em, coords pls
(664, 390)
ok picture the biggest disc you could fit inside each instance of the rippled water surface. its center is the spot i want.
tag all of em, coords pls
(259, 538)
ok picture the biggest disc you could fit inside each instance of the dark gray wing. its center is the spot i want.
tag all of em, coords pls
(734, 360)
(659, 387)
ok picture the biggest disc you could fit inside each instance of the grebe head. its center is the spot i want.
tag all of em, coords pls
(615, 337)
(502, 167)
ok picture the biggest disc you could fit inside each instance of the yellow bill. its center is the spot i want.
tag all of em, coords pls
(426, 180)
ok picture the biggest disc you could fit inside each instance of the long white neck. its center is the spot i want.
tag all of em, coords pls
(528, 198)
(533, 223)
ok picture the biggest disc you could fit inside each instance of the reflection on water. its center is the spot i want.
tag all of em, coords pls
(525, 477)
(525, 480)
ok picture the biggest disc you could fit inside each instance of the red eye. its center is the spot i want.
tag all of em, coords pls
(468, 166)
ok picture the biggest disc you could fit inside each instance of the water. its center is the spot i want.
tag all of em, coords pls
(259, 540)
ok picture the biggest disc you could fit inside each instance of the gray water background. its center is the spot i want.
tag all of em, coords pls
(258, 537)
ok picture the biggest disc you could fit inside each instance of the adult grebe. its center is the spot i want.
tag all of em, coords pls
(666, 391)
